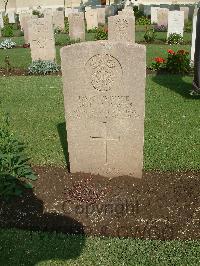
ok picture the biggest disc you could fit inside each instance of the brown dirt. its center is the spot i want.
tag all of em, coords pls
(159, 206)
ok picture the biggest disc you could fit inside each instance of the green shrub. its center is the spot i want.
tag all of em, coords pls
(138, 14)
(178, 63)
(6, 20)
(15, 171)
(7, 31)
(143, 21)
(150, 35)
(43, 68)
(101, 34)
(175, 38)
(188, 26)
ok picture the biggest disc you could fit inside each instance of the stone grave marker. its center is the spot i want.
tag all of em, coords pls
(185, 9)
(101, 16)
(41, 36)
(70, 10)
(121, 27)
(193, 35)
(154, 17)
(91, 19)
(104, 98)
(1, 20)
(58, 20)
(11, 17)
(77, 26)
(162, 16)
(175, 22)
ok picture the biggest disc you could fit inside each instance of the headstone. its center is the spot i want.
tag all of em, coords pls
(11, 17)
(1, 20)
(42, 40)
(104, 97)
(128, 11)
(147, 10)
(154, 17)
(162, 16)
(175, 22)
(185, 9)
(25, 22)
(109, 11)
(194, 35)
(91, 19)
(101, 16)
(58, 20)
(77, 26)
(196, 81)
(121, 27)
(70, 10)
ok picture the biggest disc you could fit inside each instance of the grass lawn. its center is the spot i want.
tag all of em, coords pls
(36, 109)
(21, 57)
(32, 248)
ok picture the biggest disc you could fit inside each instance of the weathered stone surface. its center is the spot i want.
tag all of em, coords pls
(101, 16)
(1, 20)
(121, 27)
(175, 22)
(104, 91)
(25, 22)
(162, 16)
(41, 38)
(185, 9)
(91, 19)
(154, 17)
(194, 35)
(58, 20)
(11, 16)
(70, 10)
(77, 26)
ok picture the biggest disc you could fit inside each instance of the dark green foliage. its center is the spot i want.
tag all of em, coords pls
(66, 25)
(150, 35)
(14, 168)
(37, 13)
(137, 12)
(43, 67)
(143, 21)
(7, 31)
(188, 26)
(101, 34)
(175, 38)
(178, 63)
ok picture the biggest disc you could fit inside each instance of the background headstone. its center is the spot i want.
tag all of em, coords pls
(121, 28)
(42, 42)
(154, 17)
(70, 10)
(162, 16)
(104, 97)
(1, 20)
(185, 9)
(91, 19)
(101, 16)
(11, 17)
(77, 26)
(58, 20)
(175, 22)
(193, 35)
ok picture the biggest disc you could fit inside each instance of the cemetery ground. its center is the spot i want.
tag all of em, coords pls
(164, 205)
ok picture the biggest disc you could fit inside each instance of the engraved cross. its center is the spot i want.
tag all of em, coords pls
(106, 139)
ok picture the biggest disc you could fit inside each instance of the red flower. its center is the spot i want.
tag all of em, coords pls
(171, 52)
(159, 60)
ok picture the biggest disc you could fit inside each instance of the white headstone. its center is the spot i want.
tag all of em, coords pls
(194, 35)
(1, 20)
(154, 18)
(175, 22)
(11, 17)
(91, 19)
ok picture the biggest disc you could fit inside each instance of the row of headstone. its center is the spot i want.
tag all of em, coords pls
(104, 97)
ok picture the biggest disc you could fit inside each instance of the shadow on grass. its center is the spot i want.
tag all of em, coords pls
(63, 140)
(37, 246)
(175, 83)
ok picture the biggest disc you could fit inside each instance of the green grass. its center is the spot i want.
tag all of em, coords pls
(36, 107)
(37, 248)
(21, 57)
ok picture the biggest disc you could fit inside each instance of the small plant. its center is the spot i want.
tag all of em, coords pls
(15, 171)
(66, 25)
(7, 44)
(175, 38)
(7, 31)
(188, 26)
(143, 21)
(40, 67)
(6, 20)
(8, 64)
(158, 64)
(37, 13)
(178, 63)
(58, 30)
(150, 35)
(161, 28)
(101, 33)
